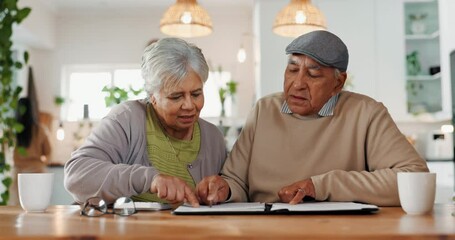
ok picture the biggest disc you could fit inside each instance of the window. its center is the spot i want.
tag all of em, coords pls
(212, 105)
(83, 85)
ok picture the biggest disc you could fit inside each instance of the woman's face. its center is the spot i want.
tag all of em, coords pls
(178, 108)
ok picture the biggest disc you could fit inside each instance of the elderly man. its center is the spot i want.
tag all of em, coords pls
(314, 139)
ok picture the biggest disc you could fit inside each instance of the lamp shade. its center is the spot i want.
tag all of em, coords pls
(297, 18)
(186, 19)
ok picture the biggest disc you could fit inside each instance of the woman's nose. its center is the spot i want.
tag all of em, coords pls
(188, 103)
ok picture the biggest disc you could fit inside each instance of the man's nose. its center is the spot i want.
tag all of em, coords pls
(300, 80)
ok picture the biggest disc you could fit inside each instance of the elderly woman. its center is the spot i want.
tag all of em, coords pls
(155, 149)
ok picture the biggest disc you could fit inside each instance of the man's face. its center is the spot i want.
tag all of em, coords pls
(308, 85)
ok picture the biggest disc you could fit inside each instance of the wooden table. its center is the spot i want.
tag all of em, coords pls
(64, 222)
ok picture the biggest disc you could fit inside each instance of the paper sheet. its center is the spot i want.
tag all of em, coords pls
(322, 206)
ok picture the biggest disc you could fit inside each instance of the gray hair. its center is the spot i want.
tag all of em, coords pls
(337, 73)
(166, 63)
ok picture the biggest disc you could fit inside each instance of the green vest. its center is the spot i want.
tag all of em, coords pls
(169, 155)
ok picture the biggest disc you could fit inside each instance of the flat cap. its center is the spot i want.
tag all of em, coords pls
(324, 47)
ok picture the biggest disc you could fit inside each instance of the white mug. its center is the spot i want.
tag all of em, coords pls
(35, 191)
(417, 191)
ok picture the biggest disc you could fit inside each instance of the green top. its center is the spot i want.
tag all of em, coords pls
(169, 155)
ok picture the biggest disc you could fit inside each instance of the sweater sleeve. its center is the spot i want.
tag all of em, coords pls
(386, 152)
(236, 167)
(109, 164)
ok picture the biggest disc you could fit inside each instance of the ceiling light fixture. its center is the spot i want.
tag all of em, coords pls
(297, 18)
(186, 18)
(241, 54)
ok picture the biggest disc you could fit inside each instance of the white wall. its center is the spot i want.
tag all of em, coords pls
(38, 29)
(271, 58)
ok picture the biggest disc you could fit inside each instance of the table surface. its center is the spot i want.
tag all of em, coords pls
(65, 222)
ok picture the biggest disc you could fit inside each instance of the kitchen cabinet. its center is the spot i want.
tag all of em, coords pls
(424, 96)
(423, 58)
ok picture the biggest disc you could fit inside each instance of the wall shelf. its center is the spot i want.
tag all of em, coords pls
(429, 36)
(419, 1)
(424, 77)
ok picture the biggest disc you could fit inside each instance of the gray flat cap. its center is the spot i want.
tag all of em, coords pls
(324, 47)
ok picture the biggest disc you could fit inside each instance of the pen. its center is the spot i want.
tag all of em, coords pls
(210, 204)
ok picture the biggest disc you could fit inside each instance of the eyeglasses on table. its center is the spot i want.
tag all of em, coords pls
(96, 206)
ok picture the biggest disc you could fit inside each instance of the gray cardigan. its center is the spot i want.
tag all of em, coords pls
(113, 162)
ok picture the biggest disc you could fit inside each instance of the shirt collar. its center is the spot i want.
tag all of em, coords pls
(326, 110)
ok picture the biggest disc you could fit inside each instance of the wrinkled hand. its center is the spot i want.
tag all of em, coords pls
(212, 190)
(295, 192)
(173, 189)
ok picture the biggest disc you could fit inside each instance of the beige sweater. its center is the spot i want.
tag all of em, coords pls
(353, 155)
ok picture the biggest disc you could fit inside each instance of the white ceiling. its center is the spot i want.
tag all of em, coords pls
(139, 7)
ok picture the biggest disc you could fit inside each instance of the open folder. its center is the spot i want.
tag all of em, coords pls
(278, 208)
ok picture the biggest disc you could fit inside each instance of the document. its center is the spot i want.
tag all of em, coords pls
(323, 207)
(242, 207)
(278, 208)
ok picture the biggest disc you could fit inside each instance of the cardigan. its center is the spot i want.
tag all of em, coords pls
(113, 162)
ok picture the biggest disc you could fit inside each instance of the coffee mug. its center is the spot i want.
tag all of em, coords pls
(417, 191)
(35, 191)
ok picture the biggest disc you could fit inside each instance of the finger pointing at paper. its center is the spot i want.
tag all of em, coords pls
(173, 190)
(295, 192)
(212, 190)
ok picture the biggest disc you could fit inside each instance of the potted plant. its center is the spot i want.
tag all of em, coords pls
(224, 92)
(116, 95)
(413, 63)
(10, 14)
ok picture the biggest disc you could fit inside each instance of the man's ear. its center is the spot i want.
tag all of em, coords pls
(340, 81)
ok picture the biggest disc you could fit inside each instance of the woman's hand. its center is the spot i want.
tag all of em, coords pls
(173, 190)
(212, 190)
(295, 192)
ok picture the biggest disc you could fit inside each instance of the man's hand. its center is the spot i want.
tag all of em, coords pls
(212, 190)
(173, 189)
(295, 192)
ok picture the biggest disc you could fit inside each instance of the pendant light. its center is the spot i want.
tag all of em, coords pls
(186, 18)
(60, 132)
(241, 53)
(297, 18)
